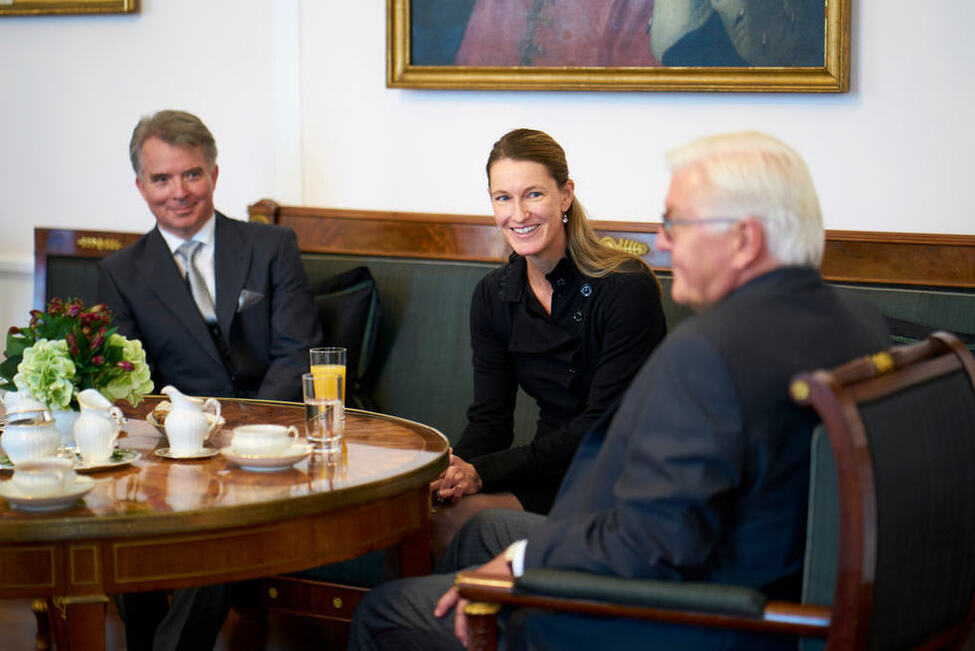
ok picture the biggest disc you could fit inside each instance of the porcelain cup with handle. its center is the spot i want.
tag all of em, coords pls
(263, 440)
(44, 477)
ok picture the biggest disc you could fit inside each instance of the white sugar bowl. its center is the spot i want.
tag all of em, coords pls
(30, 433)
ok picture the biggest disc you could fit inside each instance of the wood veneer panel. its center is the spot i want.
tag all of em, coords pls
(850, 256)
(67, 243)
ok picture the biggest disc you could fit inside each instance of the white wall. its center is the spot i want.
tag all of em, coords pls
(73, 88)
(894, 154)
(294, 91)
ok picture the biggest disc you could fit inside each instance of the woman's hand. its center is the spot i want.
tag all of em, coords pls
(459, 479)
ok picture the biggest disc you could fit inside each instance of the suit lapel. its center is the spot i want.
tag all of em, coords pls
(162, 275)
(231, 263)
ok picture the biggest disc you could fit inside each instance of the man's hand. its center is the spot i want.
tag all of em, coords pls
(451, 599)
(459, 479)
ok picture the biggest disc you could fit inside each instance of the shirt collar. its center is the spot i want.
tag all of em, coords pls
(516, 276)
(205, 235)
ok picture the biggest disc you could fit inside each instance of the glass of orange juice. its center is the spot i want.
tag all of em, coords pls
(325, 361)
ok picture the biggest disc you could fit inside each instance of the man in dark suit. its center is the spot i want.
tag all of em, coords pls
(252, 337)
(702, 472)
(221, 307)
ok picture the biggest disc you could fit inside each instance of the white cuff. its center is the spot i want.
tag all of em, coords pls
(515, 555)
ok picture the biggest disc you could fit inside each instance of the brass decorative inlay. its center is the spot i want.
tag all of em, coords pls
(481, 608)
(882, 363)
(799, 390)
(487, 582)
(272, 593)
(24, 557)
(39, 607)
(62, 603)
(93, 562)
(99, 243)
(626, 245)
(260, 218)
(337, 603)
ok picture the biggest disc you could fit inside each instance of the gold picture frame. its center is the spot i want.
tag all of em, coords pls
(38, 7)
(833, 76)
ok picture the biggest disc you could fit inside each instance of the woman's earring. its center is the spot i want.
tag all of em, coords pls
(565, 218)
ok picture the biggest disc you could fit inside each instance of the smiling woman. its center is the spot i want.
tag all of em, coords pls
(567, 319)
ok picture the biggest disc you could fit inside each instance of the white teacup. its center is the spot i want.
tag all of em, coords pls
(44, 477)
(263, 440)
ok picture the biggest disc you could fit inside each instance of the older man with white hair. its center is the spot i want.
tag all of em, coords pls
(702, 472)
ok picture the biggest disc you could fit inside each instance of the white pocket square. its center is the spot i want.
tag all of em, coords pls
(248, 298)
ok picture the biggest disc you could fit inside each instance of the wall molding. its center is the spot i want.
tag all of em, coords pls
(919, 259)
(16, 264)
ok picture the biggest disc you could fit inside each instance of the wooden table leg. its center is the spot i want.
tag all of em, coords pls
(79, 622)
(42, 612)
(414, 552)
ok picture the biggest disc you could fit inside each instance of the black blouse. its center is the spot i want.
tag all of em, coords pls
(575, 363)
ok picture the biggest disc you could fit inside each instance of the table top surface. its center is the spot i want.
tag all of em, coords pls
(381, 456)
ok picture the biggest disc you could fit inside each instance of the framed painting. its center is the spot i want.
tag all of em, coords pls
(633, 45)
(34, 7)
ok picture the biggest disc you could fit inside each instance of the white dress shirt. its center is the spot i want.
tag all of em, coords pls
(203, 261)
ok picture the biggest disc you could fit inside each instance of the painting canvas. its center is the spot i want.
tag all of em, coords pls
(620, 44)
(37, 7)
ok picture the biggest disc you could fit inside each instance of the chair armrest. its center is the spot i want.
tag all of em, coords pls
(684, 603)
(701, 597)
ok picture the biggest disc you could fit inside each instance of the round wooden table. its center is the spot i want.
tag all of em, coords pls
(160, 524)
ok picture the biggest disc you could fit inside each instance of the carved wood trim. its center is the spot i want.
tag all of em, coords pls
(73, 244)
(920, 259)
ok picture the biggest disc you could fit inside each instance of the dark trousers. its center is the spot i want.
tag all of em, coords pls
(192, 622)
(399, 614)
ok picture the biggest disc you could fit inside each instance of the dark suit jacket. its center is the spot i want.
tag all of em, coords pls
(264, 311)
(703, 472)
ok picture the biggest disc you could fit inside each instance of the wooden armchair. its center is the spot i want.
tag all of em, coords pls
(901, 424)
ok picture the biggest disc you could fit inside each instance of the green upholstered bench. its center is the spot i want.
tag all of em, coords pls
(426, 266)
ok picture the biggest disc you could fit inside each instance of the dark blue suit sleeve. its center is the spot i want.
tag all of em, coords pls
(294, 323)
(653, 499)
(109, 294)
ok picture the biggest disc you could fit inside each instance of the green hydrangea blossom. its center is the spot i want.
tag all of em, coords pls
(46, 373)
(131, 385)
(69, 348)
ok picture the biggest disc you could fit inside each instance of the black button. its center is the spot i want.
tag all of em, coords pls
(572, 371)
(586, 289)
(577, 316)
(560, 282)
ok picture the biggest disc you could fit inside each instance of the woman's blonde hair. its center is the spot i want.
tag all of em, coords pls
(591, 257)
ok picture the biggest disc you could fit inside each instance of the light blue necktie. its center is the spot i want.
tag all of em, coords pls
(187, 252)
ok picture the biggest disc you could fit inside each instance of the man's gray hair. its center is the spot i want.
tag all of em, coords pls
(750, 174)
(176, 128)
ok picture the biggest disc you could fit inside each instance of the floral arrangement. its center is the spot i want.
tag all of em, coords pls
(69, 348)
